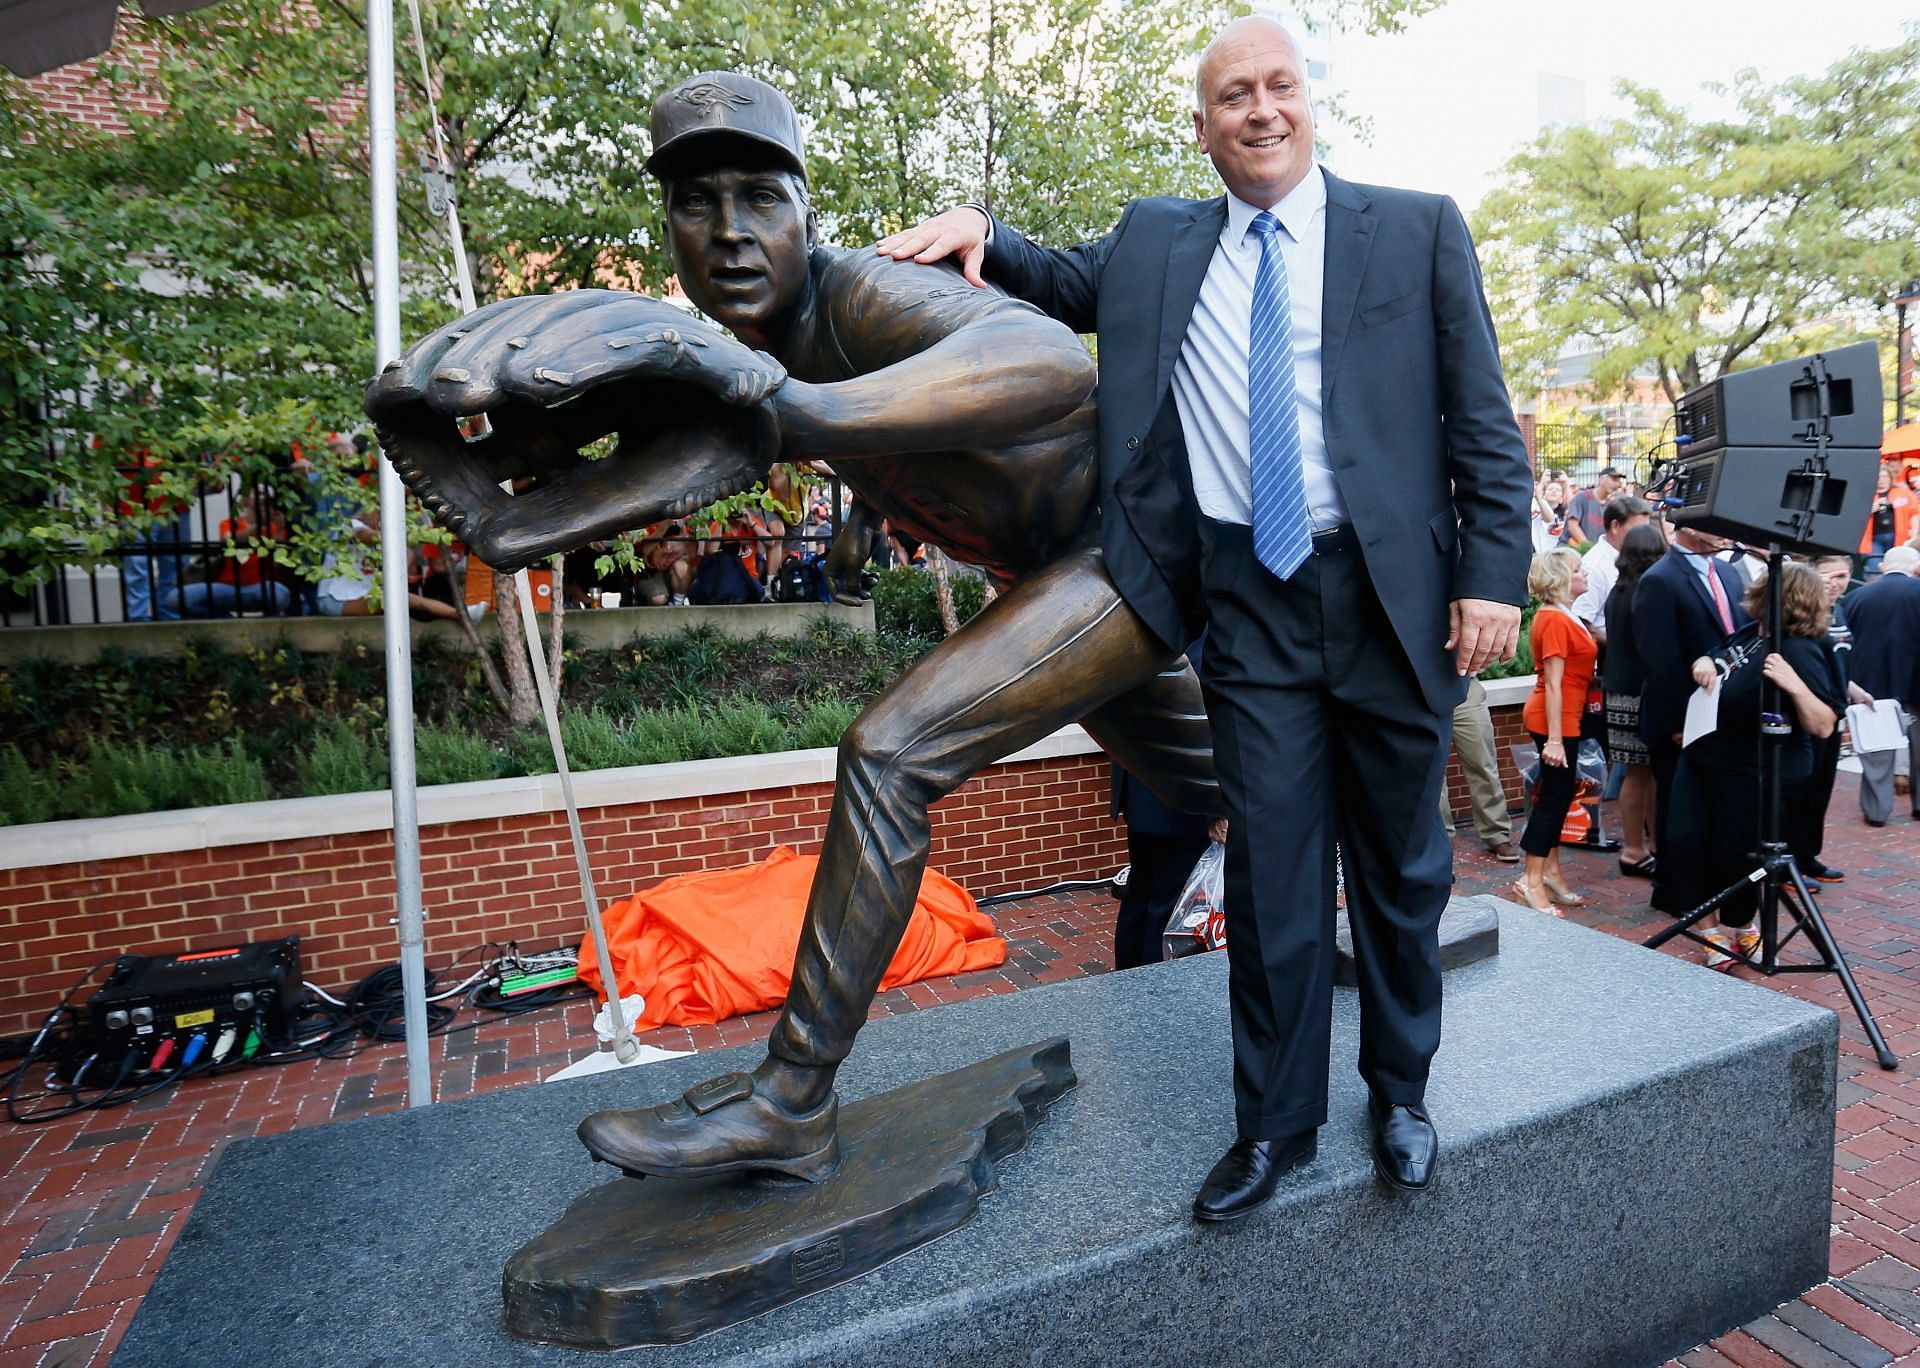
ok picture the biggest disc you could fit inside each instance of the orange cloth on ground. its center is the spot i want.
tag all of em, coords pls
(1556, 632)
(702, 947)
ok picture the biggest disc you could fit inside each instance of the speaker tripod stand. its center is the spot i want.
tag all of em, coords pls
(1782, 888)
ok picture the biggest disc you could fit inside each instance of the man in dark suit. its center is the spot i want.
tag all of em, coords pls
(1683, 607)
(1884, 616)
(1305, 441)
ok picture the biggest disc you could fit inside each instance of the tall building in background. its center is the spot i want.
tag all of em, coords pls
(1563, 101)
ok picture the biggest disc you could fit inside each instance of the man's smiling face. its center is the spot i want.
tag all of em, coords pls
(740, 239)
(1255, 120)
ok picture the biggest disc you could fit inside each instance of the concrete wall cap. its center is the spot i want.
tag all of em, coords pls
(153, 833)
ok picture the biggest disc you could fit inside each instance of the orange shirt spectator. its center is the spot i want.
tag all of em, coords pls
(1904, 505)
(1558, 633)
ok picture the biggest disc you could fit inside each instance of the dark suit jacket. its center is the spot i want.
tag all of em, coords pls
(1418, 424)
(1884, 617)
(1674, 624)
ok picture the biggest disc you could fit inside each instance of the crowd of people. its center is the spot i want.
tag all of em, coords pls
(1635, 619)
(771, 550)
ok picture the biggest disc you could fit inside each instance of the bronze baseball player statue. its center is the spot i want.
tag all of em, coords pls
(964, 417)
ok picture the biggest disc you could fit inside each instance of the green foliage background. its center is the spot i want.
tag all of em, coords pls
(199, 289)
(1686, 247)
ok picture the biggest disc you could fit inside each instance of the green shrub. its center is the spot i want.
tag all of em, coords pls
(114, 779)
(746, 726)
(341, 760)
(453, 755)
(28, 793)
(825, 722)
(594, 740)
(662, 736)
(528, 752)
(906, 602)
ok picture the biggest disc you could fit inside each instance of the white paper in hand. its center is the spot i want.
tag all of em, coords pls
(1703, 715)
(1876, 726)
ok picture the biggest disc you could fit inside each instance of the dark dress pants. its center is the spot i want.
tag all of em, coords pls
(1159, 866)
(1805, 819)
(1321, 733)
(1663, 757)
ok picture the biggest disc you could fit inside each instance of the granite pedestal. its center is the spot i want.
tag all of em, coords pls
(1581, 1082)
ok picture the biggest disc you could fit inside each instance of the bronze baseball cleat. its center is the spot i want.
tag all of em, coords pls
(720, 1126)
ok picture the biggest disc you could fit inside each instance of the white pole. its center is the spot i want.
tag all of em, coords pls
(393, 557)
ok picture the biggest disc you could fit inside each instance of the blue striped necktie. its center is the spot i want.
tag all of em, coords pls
(1282, 531)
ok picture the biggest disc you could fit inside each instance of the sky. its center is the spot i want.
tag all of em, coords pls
(1457, 93)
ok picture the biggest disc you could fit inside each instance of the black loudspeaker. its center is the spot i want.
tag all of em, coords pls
(1782, 405)
(1783, 455)
(1777, 495)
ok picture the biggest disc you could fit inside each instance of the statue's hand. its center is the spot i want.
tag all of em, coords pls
(553, 374)
(549, 350)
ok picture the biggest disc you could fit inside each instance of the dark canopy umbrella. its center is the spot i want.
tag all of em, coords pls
(39, 35)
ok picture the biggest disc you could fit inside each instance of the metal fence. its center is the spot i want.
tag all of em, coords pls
(177, 568)
(1581, 451)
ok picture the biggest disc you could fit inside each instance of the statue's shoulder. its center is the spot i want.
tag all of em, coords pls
(859, 288)
(850, 271)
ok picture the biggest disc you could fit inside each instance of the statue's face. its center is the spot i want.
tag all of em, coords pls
(739, 241)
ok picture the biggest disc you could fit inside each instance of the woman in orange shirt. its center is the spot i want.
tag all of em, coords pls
(1564, 653)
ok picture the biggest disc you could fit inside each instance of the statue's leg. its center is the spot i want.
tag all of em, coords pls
(1158, 732)
(1044, 654)
(1039, 657)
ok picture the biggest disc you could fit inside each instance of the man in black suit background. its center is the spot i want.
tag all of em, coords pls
(1305, 443)
(1683, 607)
(1884, 617)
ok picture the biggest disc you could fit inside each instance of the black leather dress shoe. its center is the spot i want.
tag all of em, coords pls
(1245, 1176)
(1405, 1147)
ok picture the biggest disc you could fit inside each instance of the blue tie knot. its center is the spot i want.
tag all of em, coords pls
(1264, 223)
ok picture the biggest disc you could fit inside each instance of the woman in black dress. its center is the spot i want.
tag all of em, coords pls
(1621, 679)
(1716, 788)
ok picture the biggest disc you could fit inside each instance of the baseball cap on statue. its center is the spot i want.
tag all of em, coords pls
(724, 102)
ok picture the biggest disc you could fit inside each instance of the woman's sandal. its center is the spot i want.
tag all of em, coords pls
(1638, 869)
(1525, 895)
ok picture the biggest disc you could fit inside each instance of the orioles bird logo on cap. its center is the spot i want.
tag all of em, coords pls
(708, 96)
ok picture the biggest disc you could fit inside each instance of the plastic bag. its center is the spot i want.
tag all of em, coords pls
(1590, 770)
(1199, 920)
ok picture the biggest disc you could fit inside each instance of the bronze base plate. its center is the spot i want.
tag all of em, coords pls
(663, 1260)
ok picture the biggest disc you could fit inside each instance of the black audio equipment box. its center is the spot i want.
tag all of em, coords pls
(232, 1001)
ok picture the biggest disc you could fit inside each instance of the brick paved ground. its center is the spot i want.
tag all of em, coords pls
(90, 1205)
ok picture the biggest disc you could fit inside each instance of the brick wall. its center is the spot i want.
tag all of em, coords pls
(1015, 826)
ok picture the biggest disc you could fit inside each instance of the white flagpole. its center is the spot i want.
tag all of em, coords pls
(393, 558)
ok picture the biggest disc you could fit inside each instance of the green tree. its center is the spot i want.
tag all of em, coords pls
(1692, 247)
(198, 289)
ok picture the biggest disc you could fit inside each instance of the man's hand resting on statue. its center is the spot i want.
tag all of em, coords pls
(1480, 632)
(959, 233)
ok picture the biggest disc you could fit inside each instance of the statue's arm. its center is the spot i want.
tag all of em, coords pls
(972, 369)
(1064, 284)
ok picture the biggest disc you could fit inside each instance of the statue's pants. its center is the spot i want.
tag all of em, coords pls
(1061, 646)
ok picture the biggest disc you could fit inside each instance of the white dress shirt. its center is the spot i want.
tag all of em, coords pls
(1603, 572)
(1210, 378)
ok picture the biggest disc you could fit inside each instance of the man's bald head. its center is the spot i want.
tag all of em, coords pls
(1237, 27)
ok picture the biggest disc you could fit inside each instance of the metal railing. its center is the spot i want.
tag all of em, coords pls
(162, 570)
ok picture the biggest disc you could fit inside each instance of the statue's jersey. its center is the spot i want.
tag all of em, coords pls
(1008, 509)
